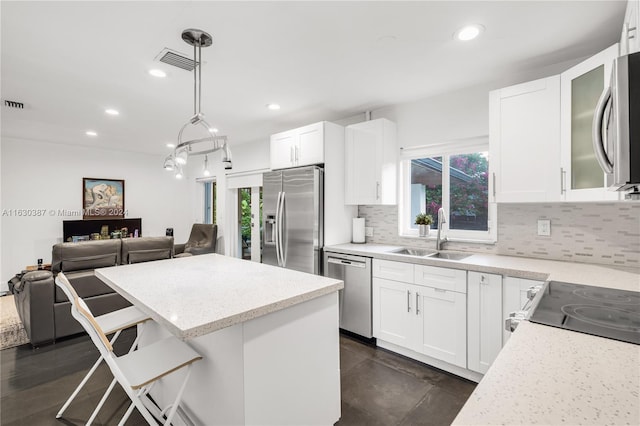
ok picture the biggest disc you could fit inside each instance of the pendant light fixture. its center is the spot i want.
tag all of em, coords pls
(210, 142)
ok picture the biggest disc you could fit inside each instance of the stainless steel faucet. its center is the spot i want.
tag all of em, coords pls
(441, 221)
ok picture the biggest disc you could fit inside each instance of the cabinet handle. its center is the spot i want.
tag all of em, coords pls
(296, 148)
(483, 279)
(377, 190)
(291, 155)
(417, 306)
(494, 186)
(562, 179)
(408, 301)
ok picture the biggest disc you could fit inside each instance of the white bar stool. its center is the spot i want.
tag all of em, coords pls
(112, 322)
(139, 370)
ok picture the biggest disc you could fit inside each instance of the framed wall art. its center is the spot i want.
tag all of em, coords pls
(102, 198)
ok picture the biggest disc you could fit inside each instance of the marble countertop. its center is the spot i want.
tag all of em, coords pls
(622, 278)
(546, 375)
(193, 296)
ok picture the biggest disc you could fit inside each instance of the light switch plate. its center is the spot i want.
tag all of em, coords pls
(368, 231)
(544, 227)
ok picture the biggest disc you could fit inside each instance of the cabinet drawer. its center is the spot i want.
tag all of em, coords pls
(441, 278)
(396, 271)
(437, 293)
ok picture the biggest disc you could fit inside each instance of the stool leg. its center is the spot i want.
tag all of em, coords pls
(84, 381)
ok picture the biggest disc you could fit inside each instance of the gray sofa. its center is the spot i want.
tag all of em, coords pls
(44, 309)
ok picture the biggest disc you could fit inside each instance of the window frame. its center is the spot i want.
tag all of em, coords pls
(444, 150)
(210, 193)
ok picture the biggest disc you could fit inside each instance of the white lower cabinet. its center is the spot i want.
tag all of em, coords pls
(393, 319)
(424, 317)
(485, 320)
(443, 325)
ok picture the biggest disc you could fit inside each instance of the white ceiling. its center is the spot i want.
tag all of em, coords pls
(68, 61)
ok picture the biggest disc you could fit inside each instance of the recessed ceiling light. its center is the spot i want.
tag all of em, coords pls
(213, 130)
(171, 145)
(469, 32)
(91, 133)
(158, 73)
(111, 111)
(273, 107)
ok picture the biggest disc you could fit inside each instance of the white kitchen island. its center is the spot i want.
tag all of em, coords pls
(268, 335)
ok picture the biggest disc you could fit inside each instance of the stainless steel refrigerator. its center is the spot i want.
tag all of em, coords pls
(292, 214)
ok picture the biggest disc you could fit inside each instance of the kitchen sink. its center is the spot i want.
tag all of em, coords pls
(448, 256)
(413, 252)
(430, 253)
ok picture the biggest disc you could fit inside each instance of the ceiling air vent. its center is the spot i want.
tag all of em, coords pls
(13, 104)
(176, 59)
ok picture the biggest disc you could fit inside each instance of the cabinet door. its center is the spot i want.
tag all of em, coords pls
(485, 320)
(393, 307)
(363, 165)
(310, 145)
(283, 150)
(581, 87)
(524, 135)
(442, 332)
(514, 296)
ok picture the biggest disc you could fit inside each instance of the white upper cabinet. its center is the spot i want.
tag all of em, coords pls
(581, 87)
(371, 157)
(629, 42)
(298, 147)
(524, 138)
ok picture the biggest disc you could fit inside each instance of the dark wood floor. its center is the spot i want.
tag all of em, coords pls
(378, 387)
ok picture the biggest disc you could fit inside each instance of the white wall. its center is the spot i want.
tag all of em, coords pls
(41, 175)
(454, 115)
(247, 157)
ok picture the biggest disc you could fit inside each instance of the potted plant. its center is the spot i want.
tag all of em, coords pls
(424, 221)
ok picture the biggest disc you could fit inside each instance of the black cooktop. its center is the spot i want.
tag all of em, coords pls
(604, 312)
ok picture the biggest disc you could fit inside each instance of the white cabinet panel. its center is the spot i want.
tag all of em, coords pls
(299, 147)
(524, 135)
(397, 271)
(514, 294)
(371, 155)
(310, 145)
(443, 325)
(581, 86)
(485, 320)
(393, 307)
(282, 150)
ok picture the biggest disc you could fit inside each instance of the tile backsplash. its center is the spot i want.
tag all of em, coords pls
(603, 233)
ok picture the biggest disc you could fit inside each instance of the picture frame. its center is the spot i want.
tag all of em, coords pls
(102, 198)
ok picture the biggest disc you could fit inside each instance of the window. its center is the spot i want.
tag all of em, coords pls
(209, 214)
(452, 176)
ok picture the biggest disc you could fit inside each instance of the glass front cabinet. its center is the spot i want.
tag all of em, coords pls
(582, 179)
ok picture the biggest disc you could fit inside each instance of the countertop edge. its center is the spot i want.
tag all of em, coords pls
(226, 321)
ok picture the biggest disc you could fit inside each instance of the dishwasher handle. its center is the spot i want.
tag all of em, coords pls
(346, 262)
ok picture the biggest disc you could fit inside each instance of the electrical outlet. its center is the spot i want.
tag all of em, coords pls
(544, 227)
(368, 231)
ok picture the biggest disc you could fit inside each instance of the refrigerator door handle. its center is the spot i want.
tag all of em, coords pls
(283, 254)
(277, 229)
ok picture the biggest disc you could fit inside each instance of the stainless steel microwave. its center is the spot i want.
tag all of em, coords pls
(616, 125)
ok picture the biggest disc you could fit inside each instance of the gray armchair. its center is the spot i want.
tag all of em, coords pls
(201, 241)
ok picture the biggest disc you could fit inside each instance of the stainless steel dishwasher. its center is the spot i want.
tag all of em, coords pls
(355, 298)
